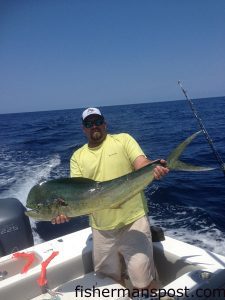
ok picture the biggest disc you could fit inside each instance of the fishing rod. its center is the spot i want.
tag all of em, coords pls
(209, 140)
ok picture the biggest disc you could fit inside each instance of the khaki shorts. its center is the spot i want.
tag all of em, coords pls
(133, 242)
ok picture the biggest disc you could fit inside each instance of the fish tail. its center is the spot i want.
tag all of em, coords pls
(174, 163)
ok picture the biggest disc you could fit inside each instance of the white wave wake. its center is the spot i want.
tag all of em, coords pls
(32, 175)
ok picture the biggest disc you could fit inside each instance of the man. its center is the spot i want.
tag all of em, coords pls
(124, 231)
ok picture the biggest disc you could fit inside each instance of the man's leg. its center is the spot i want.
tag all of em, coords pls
(137, 249)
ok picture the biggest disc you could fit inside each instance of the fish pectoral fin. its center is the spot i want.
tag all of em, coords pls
(57, 206)
(60, 202)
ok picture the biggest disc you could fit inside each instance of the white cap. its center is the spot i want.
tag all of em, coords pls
(91, 111)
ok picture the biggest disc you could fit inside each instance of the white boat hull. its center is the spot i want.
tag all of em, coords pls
(180, 266)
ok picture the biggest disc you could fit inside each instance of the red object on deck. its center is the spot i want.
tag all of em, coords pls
(28, 256)
(42, 280)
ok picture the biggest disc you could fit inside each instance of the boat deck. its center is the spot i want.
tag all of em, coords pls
(71, 274)
(90, 286)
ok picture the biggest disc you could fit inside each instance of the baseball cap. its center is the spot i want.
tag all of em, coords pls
(91, 111)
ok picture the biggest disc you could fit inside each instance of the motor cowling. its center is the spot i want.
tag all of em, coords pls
(15, 228)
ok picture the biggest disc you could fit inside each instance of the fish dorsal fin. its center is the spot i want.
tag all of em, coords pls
(75, 179)
(81, 179)
(71, 180)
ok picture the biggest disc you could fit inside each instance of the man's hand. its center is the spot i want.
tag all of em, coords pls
(60, 219)
(160, 171)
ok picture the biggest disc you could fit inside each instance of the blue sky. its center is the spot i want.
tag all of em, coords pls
(78, 53)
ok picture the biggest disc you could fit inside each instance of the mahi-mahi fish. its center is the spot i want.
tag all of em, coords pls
(81, 196)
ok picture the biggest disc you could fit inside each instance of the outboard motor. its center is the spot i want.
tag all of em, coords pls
(15, 228)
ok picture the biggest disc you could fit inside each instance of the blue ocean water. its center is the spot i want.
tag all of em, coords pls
(189, 206)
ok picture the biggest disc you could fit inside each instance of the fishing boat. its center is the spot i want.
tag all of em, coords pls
(62, 268)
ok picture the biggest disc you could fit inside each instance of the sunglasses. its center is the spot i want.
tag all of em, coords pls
(90, 124)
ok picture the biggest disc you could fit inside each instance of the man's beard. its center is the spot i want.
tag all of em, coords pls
(96, 135)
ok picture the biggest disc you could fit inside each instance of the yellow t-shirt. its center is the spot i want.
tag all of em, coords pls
(112, 159)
